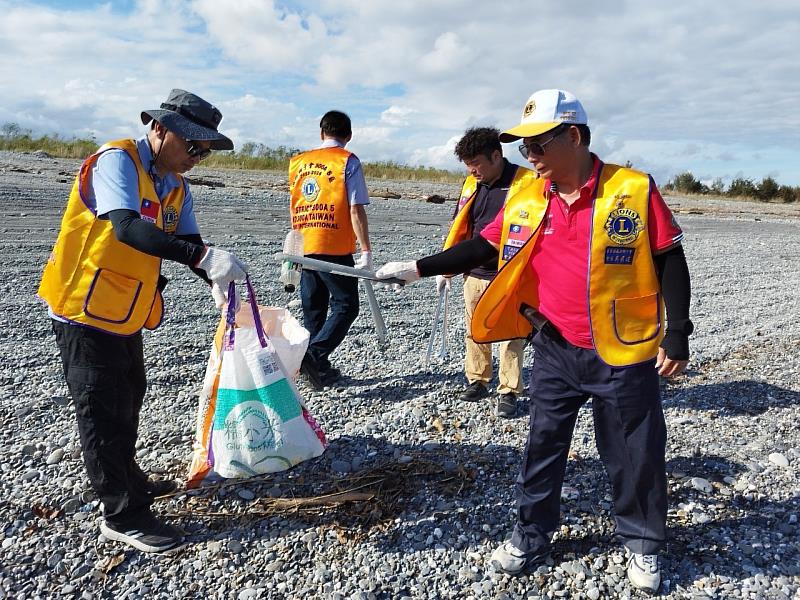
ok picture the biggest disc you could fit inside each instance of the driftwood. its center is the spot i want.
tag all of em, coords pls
(384, 193)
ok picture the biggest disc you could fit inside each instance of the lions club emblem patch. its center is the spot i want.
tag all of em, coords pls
(170, 219)
(623, 226)
(310, 189)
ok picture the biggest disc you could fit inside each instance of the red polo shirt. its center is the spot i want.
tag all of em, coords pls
(560, 258)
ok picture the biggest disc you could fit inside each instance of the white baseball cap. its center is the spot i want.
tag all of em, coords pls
(545, 110)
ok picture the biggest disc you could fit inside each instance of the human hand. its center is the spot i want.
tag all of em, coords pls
(407, 271)
(222, 267)
(668, 367)
(364, 261)
(442, 282)
(220, 296)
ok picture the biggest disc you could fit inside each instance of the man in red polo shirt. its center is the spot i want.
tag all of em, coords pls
(593, 259)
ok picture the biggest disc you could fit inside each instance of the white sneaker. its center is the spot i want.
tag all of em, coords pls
(644, 571)
(510, 559)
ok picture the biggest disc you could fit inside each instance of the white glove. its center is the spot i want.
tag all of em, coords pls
(364, 261)
(221, 297)
(222, 267)
(407, 271)
(442, 282)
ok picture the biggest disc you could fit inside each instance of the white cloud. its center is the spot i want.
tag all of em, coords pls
(397, 116)
(718, 80)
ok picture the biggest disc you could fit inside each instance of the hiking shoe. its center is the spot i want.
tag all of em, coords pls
(152, 487)
(474, 392)
(506, 405)
(160, 487)
(507, 558)
(330, 375)
(644, 571)
(310, 369)
(145, 533)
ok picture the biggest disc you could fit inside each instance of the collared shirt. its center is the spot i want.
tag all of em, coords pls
(560, 257)
(115, 185)
(489, 201)
(354, 180)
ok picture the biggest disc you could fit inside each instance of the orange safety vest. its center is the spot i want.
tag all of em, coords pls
(461, 229)
(626, 309)
(93, 279)
(319, 204)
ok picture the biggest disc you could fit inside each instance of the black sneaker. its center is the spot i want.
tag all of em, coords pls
(160, 487)
(309, 368)
(330, 375)
(145, 533)
(506, 405)
(152, 487)
(474, 392)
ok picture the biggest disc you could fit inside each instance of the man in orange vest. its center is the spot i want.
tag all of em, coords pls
(328, 195)
(592, 257)
(491, 179)
(129, 209)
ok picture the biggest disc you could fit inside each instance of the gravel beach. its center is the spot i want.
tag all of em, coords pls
(430, 478)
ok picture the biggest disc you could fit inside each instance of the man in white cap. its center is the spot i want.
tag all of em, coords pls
(592, 265)
(129, 209)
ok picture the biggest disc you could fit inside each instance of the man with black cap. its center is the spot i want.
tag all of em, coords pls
(592, 259)
(129, 209)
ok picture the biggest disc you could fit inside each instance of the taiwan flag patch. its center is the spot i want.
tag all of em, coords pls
(149, 210)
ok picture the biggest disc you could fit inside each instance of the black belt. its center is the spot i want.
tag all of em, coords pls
(539, 321)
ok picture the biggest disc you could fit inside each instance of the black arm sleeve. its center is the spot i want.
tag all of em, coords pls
(461, 258)
(673, 274)
(145, 237)
(194, 238)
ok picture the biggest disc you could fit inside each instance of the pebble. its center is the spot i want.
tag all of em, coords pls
(701, 485)
(727, 419)
(776, 458)
(55, 456)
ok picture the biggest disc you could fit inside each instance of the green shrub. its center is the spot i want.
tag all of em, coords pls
(687, 184)
(717, 187)
(788, 194)
(767, 189)
(742, 187)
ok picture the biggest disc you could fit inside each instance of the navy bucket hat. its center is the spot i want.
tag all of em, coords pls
(190, 117)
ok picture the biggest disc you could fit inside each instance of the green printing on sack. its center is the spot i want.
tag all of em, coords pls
(278, 396)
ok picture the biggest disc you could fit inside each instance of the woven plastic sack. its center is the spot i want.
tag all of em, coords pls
(251, 418)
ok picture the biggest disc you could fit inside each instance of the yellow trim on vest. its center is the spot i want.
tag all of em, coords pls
(92, 278)
(319, 205)
(625, 305)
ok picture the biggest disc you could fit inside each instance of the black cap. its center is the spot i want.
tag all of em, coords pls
(190, 117)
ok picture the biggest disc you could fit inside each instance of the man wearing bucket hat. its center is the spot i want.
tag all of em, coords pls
(129, 209)
(592, 264)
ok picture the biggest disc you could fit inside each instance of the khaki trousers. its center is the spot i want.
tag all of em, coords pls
(478, 363)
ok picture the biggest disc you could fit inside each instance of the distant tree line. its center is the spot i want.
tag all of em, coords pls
(767, 190)
(254, 155)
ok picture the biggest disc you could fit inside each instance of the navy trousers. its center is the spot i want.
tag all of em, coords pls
(321, 292)
(630, 434)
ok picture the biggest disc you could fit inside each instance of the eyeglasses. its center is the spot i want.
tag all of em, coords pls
(195, 150)
(538, 147)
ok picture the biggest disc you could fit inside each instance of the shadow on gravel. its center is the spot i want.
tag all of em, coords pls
(395, 388)
(746, 397)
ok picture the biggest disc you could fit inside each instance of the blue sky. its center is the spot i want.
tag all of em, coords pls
(712, 88)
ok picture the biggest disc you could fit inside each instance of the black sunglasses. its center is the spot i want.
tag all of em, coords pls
(195, 150)
(538, 147)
